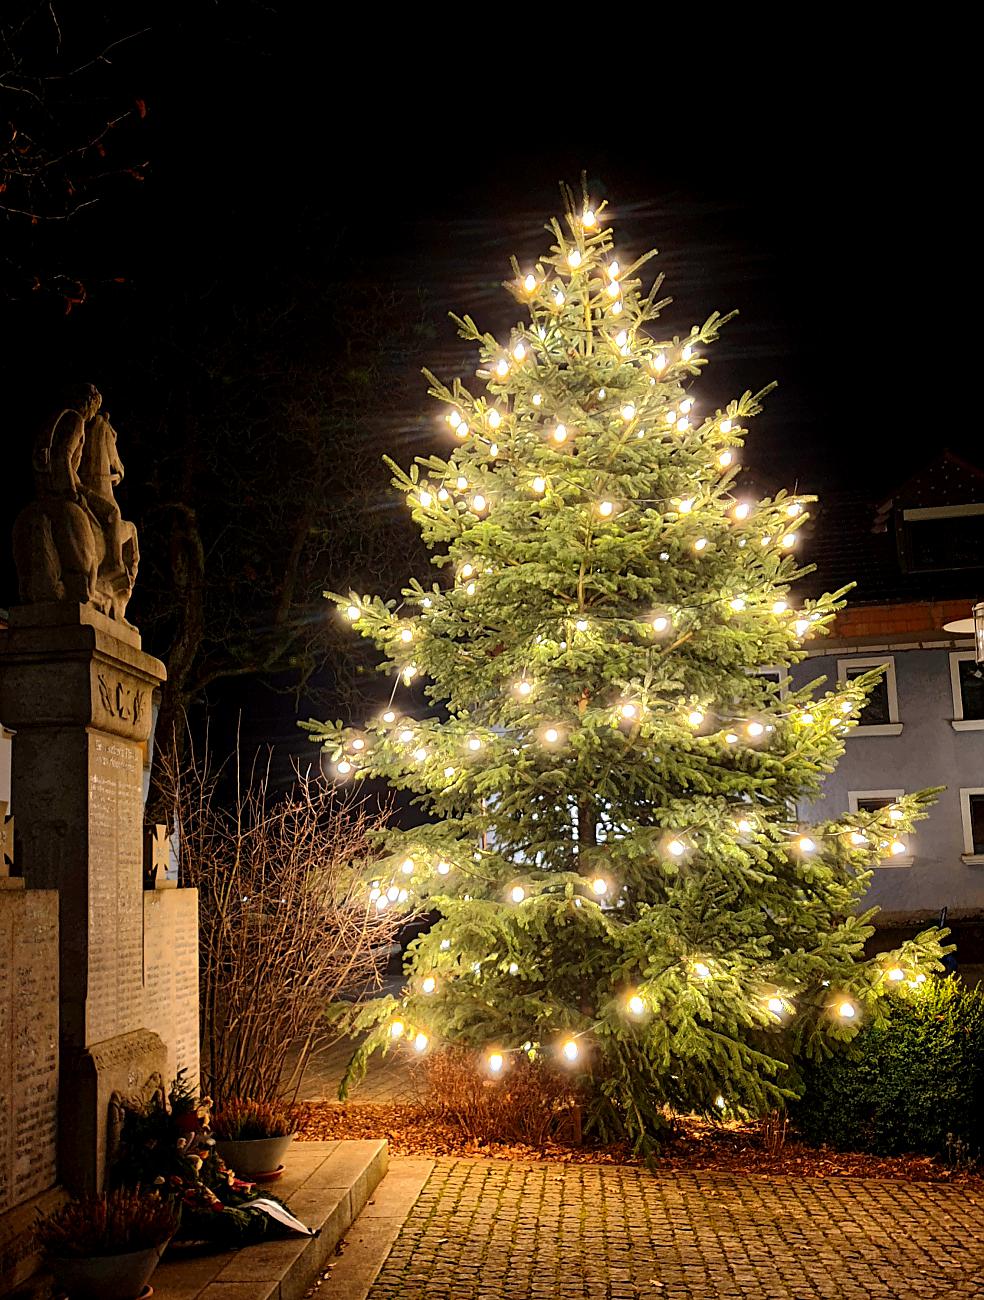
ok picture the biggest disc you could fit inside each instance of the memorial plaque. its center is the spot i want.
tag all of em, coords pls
(29, 1025)
(171, 975)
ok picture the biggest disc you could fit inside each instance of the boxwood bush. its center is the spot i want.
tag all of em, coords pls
(915, 1084)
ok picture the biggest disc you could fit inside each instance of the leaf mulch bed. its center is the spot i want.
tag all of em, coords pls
(414, 1130)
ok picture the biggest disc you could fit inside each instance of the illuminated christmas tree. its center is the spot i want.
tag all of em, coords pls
(614, 851)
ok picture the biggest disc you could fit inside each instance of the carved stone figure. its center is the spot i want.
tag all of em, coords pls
(71, 543)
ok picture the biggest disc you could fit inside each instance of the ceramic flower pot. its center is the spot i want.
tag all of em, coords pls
(256, 1160)
(107, 1277)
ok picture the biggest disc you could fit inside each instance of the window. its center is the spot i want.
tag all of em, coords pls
(778, 677)
(967, 685)
(933, 539)
(880, 716)
(871, 801)
(972, 815)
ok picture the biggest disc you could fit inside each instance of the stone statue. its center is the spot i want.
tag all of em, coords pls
(71, 543)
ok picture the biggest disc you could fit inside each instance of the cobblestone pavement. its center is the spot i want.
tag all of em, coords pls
(495, 1230)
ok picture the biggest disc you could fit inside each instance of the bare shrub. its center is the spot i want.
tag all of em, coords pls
(531, 1103)
(775, 1127)
(286, 926)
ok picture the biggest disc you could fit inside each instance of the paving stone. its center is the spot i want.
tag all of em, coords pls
(497, 1230)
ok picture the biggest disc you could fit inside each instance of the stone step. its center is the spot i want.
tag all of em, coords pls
(326, 1184)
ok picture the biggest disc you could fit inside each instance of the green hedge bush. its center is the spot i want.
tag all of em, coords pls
(916, 1084)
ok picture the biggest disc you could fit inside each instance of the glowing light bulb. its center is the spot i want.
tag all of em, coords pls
(539, 485)
(478, 503)
(606, 508)
(461, 482)
(685, 506)
(382, 902)
(444, 868)
(793, 509)
(621, 338)
(524, 688)
(407, 866)
(589, 218)
(420, 1043)
(393, 893)
(425, 499)
(599, 886)
(410, 672)
(660, 623)
(725, 459)
(636, 1005)
(517, 893)
(738, 604)
(745, 827)
(462, 430)
(719, 1102)
(470, 589)
(551, 735)
(801, 626)
(788, 541)
(806, 845)
(897, 848)
(858, 839)
(687, 353)
(613, 270)
(389, 716)
(725, 426)
(896, 974)
(467, 570)
(429, 984)
(406, 736)
(448, 773)
(628, 412)
(581, 625)
(806, 718)
(776, 1006)
(353, 612)
(495, 419)
(397, 1029)
(920, 978)
(536, 399)
(496, 1062)
(358, 743)
(343, 768)
(529, 284)
(513, 968)
(406, 634)
(560, 433)
(519, 351)
(502, 367)
(731, 738)
(613, 290)
(755, 729)
(454, 419)
(846, 707)
(571, 1050)
(847, 1011)
(493, 450)
(896, 815)
(700, 544)
(629, 710)
(574, 259)
(683, 424)
(559, 298)
(443, 494)
(695, 717)
(779, 607)
(474, 744)
(742, 510)
(659, 362)
(702, 970)
(676, 848)
(420, 755)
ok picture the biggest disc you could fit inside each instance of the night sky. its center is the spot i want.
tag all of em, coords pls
(821, 200)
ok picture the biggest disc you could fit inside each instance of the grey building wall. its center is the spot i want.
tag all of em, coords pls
(928, 752)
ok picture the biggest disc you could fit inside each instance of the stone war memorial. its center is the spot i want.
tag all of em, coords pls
(98, 975)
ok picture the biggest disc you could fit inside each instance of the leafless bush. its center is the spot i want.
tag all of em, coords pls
(775, 1127)
(531, 1103)
(285, 927)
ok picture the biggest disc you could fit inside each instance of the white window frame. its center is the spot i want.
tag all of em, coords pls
(853, 799)
(968, 855)
(891, 728)
(958, 722)
(783, 676)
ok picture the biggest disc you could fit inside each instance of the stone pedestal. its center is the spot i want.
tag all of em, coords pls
(76, 689)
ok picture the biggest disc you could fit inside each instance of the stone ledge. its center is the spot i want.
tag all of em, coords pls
(326, 1185)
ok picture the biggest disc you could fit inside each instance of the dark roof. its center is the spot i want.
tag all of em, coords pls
(854, 537)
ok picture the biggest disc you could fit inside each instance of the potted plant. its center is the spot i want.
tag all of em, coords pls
(252, 1137)
(106, 1247)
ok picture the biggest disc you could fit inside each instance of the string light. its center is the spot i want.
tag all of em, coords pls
(755, 729)
(806, 718)
(420, 755)
(397, 1029)
(454, 418)
(606, 508)
(896, 848)
(695, 717)
(574, 259)
(358, 743)
(425, 499)
(502, 367)
(588, 218)
(806, 845)
(406, 635)
(478, 503)
(636, 1005)
(683, 424)
(493, 450)
(599, 886)
(519, 351)
(719, 1102)
(742, 510)
(613, 290)
(353, 612)
(847, 1011)
(517, 893)
(581, 625)
(429, 984)
(551, 735)
(420, 1043)
(629, 710)
(744, 826)
(407, 866)
(539, 485)
(409, 673)
(700, 544)
(558, 300)
(738, 603)
(536, 399)
(685, 505)
(495, 419)
(448, 773)
(793, 509)
(405, 736)
(779, 607)
(496, 1062)
(461, 431)
(474, 744)
(801, 626)
(858, 839)
(628, 412)
(776, 1006)
(560, 433)
(461, 482)
(444, 868)
(660, 623)
(659, 362)
(788, 541)
(676, 848)
(389, 716)
(571, 1050)
(443, 495)
(470, 589)
(896, 975)
(344, 767)
(687, 353)
(725, 426)
(524, 688)
(529, 284)
(702, 970)
(725, 459)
